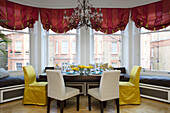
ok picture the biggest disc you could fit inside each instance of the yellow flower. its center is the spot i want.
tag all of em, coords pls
(89, 67)
(56, 65)
(71, 66)
(81, 66)
(76, 69)
(110, 66)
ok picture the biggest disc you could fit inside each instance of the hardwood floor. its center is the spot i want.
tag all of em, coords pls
(147, 106)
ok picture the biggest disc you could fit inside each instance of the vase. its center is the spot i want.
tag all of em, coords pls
(88, 71)
(81, 71)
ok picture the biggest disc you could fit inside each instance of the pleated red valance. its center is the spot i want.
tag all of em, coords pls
(114, 19)
(153, 16)
(18, 16)
(54, 19)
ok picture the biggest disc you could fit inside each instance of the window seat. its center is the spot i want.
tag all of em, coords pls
(11, 81)
(153, 80)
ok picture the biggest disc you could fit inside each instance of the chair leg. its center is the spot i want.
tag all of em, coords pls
(61, 106)
(48, 105)
(77, 102)
(104, 104)
(117, 104)
(89, 101)
(64, 103)
(101, 106)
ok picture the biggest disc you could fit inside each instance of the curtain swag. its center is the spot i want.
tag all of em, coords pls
(153, 16)
(54, 19)
(18, 16)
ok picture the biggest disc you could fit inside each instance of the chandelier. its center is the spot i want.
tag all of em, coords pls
(84, 15)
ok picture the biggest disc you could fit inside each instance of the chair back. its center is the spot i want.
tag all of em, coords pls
(50, 68)
(29, 75)
(135, 75)
(56, 86)
(109, 85)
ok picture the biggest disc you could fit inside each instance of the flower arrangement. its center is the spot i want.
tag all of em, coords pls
(81, 66)
(75, 69)
(89, 67)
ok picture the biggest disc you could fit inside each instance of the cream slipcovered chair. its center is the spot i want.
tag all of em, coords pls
(34, 92)
(58, 91)
(129, 91)
(108, 89)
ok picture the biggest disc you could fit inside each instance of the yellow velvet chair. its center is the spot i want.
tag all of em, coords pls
(129, 92)
(34, 92)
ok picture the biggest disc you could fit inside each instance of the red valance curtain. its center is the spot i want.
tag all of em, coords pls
(18, 16)
(153, 16)
(54, 19)
(114, 19)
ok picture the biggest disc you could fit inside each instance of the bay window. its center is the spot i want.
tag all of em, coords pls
(16, 51)
(107, 48)
(155, 46)
(62, 48)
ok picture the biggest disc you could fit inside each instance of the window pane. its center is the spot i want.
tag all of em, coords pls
(17, 51)
(19, 66)
(113, 47)
(155, 48)
(66, 51)
(107, 49)
(18, 46)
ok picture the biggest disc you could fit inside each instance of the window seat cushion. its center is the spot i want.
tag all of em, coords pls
(155, 80)
(13, 80)
(152, 80)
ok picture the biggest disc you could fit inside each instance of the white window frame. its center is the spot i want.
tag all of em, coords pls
(154, 72)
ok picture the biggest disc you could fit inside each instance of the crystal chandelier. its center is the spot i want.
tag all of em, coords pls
(84, 15)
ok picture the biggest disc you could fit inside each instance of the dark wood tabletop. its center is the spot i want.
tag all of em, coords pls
(76, 77)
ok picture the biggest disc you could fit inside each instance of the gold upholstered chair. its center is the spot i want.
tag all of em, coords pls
(34, 92)
(129, 92)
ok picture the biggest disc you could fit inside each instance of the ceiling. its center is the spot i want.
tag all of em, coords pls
(54, 4)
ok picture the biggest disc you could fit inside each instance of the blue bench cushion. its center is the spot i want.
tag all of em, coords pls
(11, 80)
(152, 80)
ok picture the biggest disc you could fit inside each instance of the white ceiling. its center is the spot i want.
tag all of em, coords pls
(73, 3)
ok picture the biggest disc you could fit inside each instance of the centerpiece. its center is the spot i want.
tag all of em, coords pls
(81, 68)
(88, 69)
(75, 70)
